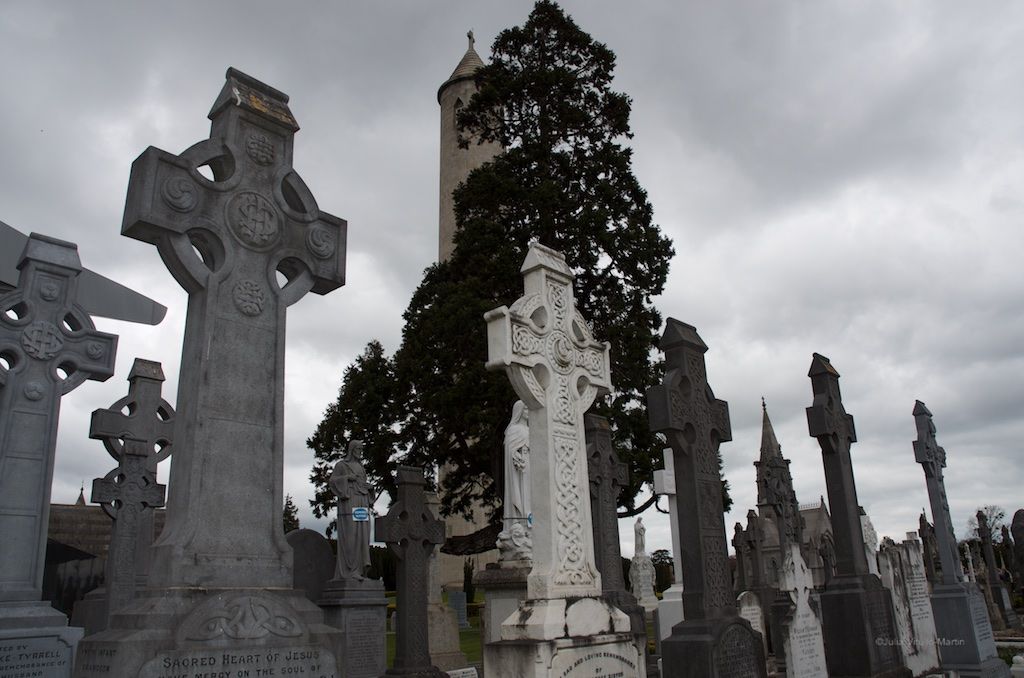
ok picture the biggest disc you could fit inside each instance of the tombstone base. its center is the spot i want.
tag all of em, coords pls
(564, 638)
(503, 588)
(713, 648)
(90, 612)
(859, 629)
(965, 639)
(35, 640)
(637, 623)
(182, 631)
(670, 613)
(358, 609)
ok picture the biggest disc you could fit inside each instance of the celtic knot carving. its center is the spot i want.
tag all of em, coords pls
(42, 340)
(320, 242)
(735, 656)
(253, 220)
(242, 617)
(180, 194)
(565, 412)
(259, 147)
(573, 568)
(710, 502)
(525, 342)
(561, 352)
(716, 572)
(557, 298)
(249, 297)
(590, 361)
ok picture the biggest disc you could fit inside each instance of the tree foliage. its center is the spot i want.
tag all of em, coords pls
(290, 514)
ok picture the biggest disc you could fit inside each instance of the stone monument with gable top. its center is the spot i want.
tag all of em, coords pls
(995, 585)
(713, 640)
(901, 567)
(857, 617)
(564, 627)
(799, 626)
(48, 346)
(220, 590)
(967, 644)
(670, 607)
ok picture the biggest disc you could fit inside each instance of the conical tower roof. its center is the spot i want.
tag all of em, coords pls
(81, 496)
(470, 62)
(769, 443)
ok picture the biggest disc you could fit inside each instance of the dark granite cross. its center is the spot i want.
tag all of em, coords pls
(685, 410)
(149, 420)
(412, 533)
(833, 427)
(245, 245)
(932, 458)
(48, 347)
(608, 476)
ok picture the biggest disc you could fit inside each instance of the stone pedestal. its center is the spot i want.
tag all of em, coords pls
(180, 631)
(503, 588)
(641, 578)
(966, 643)
(359, 611)
(670, 612)
(860, 634)
(35, 640)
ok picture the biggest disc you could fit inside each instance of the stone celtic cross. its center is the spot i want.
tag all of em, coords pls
(828, 421)
(48, 347)
(557, 368)
(685, 410)
(411, 532)
(932, 459)
(228, 241)
(608, 476)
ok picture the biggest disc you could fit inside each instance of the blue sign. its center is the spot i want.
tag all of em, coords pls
(529, 520)
(360, 514)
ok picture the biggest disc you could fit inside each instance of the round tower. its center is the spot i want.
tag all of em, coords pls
(457, 163)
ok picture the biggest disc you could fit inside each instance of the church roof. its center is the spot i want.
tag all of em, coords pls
(470, 62)
(769, 443)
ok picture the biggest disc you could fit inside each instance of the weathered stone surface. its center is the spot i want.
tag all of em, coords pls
(995, 585)
(901, 568)
(860, 634)
(504, 588)
(670, 607)
(713, 640)
(802, 651)
(314, 562)
(966, 642)
(442, 624)
(557, 368)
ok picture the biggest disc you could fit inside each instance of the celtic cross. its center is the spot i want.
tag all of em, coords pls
(48, 347)
(684, 409)
(740, 546)
(557, 368)
(932, 459)
(607, 476)
(411, 532)
(150, 421)
(755, 548)
(228, 241)
(828, 421)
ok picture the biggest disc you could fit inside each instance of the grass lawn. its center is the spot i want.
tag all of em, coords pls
(469, 643)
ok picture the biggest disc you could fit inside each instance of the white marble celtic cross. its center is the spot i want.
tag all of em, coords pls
(253, 222)
(48, 347)
(557, 368)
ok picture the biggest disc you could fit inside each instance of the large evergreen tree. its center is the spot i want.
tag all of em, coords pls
(565, 179)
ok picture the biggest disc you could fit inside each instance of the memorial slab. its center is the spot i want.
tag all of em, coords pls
(901, 568)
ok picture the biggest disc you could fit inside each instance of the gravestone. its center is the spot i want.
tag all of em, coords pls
(641, 570)
(314, 562)
(442, 624)
(220, 582)
(995, 585)
(1017, 529)
(457, 601)
(929, 549)
(870, 541)
(856, 609)
(799, 625)
(739, 546)
(1009, 548)
(137, 431)
(749, 606)
(901, 568)
(670, 607)
(713, 640)
(49, 347)
(608, 476)
(564, 627)
(412, 533)
(966, 642)
(352, 602)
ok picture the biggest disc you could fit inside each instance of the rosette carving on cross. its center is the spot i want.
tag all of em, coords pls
(557, 368)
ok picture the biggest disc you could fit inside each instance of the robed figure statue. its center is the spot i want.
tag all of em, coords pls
(514, 541)
(348, 482)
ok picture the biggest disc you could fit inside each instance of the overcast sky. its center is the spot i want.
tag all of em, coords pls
(843, 178)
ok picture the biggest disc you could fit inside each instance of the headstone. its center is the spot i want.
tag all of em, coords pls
(608, 476)
(929, 549)
(902, 571)
(1017, 529)
(641, 570)
(1009, 548)
(670, 607)
(457, 601)
(352, 602)
(799, 628)
(995, 584)
(564, 627)
(314, 562)
(442, 623)
(713, 640)
(515, 548)
(137, 431)
(223, 555)
(966, 642)
(49, 347)
(411, 532)
(749, 606)
(870, 542)
(857, 615)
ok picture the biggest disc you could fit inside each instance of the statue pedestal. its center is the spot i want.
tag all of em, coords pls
(359, 610)
(504, 588)
(35, 639)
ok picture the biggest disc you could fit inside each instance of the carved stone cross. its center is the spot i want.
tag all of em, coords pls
(932, 459)
(685, 410)
(228, 241)
(48, 347)
(412, 533)
(608, 476)
(828, 421)
(149, 421)
(739, 545)
(557, 368)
